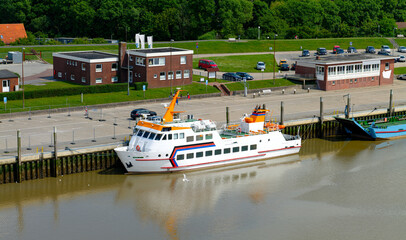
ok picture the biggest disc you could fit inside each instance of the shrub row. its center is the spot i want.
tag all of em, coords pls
(106, 88)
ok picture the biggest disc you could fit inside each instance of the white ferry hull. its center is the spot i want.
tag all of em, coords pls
(138, 162)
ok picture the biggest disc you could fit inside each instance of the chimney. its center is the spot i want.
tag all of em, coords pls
(122, 47)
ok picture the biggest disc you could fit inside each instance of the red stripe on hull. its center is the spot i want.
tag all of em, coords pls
(278, 149)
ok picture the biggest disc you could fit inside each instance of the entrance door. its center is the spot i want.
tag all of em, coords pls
(6, 85)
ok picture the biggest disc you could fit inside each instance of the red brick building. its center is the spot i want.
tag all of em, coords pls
(160, 67)
(348, 71)
(87, 68)
(10, 32)
(9, 81)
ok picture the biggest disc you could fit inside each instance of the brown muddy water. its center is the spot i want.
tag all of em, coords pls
(331, 190)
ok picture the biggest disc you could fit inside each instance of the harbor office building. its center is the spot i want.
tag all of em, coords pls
(159, 67)
(348, 70)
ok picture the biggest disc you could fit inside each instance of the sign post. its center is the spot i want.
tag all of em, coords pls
(5, 103)
(143, 89)
(207, 83)
(197, 48)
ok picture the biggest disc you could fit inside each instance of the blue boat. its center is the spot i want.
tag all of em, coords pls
(383, 128)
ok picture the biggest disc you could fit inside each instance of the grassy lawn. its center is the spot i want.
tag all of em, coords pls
(241, 63)
(400, 70)
(100, 98)
(52, 85)
(259, 84)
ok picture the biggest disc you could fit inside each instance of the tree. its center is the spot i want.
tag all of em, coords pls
(233, 14)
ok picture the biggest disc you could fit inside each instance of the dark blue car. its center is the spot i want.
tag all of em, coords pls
(231, 77)
(245, 75)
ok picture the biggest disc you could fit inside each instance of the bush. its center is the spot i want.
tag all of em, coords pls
(118, 87)
(138, 85)
(98, 41)
(208, 36)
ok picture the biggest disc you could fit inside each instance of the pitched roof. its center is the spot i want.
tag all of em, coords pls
(401, 25)
(7, 74)
(10, 32)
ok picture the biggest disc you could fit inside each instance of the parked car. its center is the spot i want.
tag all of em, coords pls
(402, 77)
(139, 112)
(385, 48)
(351, 50)
(283, 61)
(205, 64)
(339, 51)
(231, 77)
(369, 49)
(384, 53)
(321, 51)
(284, 67)
(293, 66)
(305, 53)
(401, 58)
(245, 75)
(260, 65)
(402, 49)
(335, 48)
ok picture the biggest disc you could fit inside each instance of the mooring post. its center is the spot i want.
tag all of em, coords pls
(282, 112)
(321, 117)
(227, 116)
(390, 109)
(348, 107)
(54, 166)
(18, 163)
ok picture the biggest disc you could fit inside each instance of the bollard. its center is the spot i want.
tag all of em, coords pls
(308, 90)
(19, 160)
(94, 135)
(73, 137)
(10, 120)
(29, 143)
(115, 121)
(52, 137)
(114, 132)
(6, 151)
(101, 116)
(253, 95)
(283, 91)
(294, 91)
(49, 112)
(129, 124)
(69, 110)
(29, 114)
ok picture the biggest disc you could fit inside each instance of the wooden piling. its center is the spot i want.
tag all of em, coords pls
(17, 167)
(282, 112)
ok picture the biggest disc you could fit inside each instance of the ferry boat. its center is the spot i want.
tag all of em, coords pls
(173, 144)
(375, 129)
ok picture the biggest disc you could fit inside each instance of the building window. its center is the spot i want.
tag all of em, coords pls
(180, 157)
(189, 155)
(131, 58)
(181, 135)
(209, 136)
(114, 79)
(98, 80)
(358, 68)
(189, 139)
(320, 70)
(236, 149)
(72, 77)
(186, 74)
(350, 69)
(170, 75)
(350, 80)
(83, 67)
(334, 83)
(131, 77)
(162, 76)
(155, 75)
(59, 74)
(340, 70)
(332, 70)
(355, 80)
(375, 67)
(217, 152)
(83, 80)
(178, 74)
(199, 154)
(373, 78)
(114, 67)
(140, 61)
(367, 68)
(226, 150)
(209, 153)
(387, 66)
(244, 148)
(99, 68)
(199, 137)
(253, 147)
(156, 62)
(183, 60)
(76, 64)
(67, 62)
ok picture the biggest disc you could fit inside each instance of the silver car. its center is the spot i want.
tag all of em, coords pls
(260, 65)
(402, 49)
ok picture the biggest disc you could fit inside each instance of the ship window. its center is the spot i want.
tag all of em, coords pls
(236, 149)
(146, 134)
(169, 136)
(180, 157)
(227, 150)
(244, 148)
(189, 155)
(175, 136)
(209, 153)
(253, 147)
(152, 136)
(199, 154)
(164, 138)
(158, 137)
(189, 139)
(181, 135)
(209, 136)
(217, 152)
(140, 132)
(199, 137)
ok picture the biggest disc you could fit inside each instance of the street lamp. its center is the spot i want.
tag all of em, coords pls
(274, 56)
(394, 32)
(22, 74)
(259, 32)
(128, 70)
(170, 67)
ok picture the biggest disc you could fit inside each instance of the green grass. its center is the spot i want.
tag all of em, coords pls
(52, 85)
(101, 98)
(400, 70)
(259, 84)
(241, 63)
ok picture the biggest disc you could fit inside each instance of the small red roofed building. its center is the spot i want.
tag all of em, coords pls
(9, 81)
(10, 32)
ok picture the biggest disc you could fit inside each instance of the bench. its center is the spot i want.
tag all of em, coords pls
(231, 39)
(266, 91)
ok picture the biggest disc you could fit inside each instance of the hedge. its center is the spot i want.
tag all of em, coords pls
(138, 85)
(106, 88)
